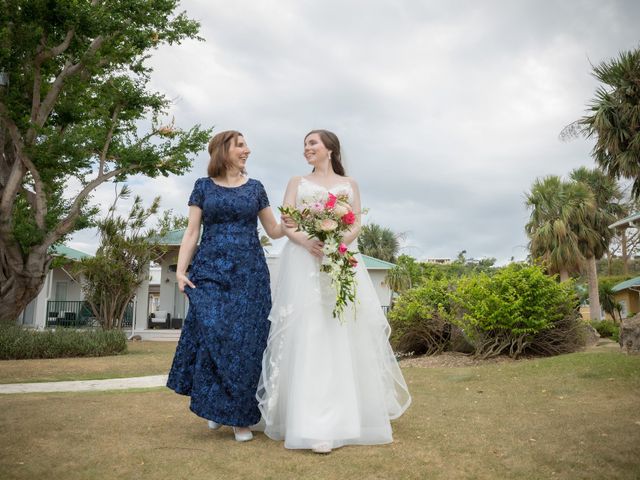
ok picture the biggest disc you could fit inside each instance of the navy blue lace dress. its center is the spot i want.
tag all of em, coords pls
(218, 358)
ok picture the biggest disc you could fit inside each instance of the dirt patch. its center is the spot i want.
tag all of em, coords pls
(456, 359)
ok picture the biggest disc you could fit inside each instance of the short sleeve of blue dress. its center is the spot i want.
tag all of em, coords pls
(263, 200)
(197, 195)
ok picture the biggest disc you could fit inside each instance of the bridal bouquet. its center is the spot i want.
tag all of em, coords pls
(328, 220)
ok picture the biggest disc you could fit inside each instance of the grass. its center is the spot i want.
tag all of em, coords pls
(144, 358)
(573, 416)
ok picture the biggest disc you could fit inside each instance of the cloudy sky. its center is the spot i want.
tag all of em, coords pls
(446, 111)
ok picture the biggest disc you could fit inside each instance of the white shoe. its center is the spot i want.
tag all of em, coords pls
(242, 436)
(322, 447)
(213, 425)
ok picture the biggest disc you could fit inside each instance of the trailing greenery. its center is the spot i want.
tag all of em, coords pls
(17, 343)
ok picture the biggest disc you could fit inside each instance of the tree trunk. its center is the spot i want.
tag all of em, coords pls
(564, 275)
(594, 297)
(19, 292)
(625, 255)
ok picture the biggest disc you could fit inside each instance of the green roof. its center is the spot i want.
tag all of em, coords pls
(71, 253)
(376, 264)
(633, 282)
(172, 237)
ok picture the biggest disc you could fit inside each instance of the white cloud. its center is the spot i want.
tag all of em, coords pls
(447, 111)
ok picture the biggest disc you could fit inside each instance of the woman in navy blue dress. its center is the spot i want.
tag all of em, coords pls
(218, 358)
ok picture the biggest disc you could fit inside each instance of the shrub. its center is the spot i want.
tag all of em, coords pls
(19, 343)
(509, 311)
(420, 319)
(608, 329)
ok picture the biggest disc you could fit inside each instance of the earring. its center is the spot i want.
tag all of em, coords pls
(329, 155)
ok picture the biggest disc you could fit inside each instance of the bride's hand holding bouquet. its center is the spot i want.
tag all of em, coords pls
(327, 221)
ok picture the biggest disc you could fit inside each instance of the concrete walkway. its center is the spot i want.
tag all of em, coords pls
(86, 385)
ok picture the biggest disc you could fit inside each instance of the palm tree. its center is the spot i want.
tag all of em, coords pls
(614, 118)
(556, 208)
(594, 232)
(379, 242)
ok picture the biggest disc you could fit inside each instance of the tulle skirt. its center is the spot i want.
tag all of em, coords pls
(323, 382)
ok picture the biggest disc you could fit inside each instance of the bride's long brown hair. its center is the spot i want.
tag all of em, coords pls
(330, 140)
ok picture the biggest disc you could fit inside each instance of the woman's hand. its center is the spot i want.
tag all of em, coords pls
(182, 281)
(314, 247)
(288, 221)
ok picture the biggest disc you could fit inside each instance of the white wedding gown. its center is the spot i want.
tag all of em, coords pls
(324, 382)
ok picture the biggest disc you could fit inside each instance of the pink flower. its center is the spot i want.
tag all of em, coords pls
(349, 218)
(317, 207)
(342, 248)
(331, 202)
(327, 225)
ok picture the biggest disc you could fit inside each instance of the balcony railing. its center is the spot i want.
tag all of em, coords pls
(78, 314)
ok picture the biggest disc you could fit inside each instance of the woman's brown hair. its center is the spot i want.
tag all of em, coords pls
(330, 140)
(219, 152)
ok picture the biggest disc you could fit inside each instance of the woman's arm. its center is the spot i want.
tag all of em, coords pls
(270, 224)
(354, 230)
(313, 246)
(188, 246)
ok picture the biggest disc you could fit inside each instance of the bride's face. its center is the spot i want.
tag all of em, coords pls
(238, 153)
(314, 150)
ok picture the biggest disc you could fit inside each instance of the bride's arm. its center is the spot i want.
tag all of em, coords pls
(313, 246)
(354, 230)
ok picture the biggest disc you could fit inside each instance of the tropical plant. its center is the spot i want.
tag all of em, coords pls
(557, 207)
(614, 118)
(596, 235)
(74, 88)
(504, 313)
(379, 242)
(111, 278)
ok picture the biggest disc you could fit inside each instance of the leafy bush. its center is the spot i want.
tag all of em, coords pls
(607, 329)
(421, 319)
(18, 343)
(509, 311)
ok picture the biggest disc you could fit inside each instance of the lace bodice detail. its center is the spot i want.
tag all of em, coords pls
(310, 192)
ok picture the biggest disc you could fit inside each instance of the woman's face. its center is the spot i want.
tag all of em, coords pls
(314, 150)
(238, 153)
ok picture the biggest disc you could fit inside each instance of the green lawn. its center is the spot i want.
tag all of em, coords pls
(570, 417)
(144, 358)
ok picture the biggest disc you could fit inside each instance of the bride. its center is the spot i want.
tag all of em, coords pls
(325, 384)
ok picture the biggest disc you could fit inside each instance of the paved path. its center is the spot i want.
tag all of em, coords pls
(86, 385)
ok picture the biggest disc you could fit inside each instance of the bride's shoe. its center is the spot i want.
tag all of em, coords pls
(322, 447)
(242, 436)
(213, 425)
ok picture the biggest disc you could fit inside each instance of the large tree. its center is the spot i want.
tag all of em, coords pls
(378, 242)
(613, 118)
(556, 208)
(73, 92)
(593, 230)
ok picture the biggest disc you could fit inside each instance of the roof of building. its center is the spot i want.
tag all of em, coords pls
(627, 221)
(376, 264)
(68, 252)
(174, 237)
(633, 282)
